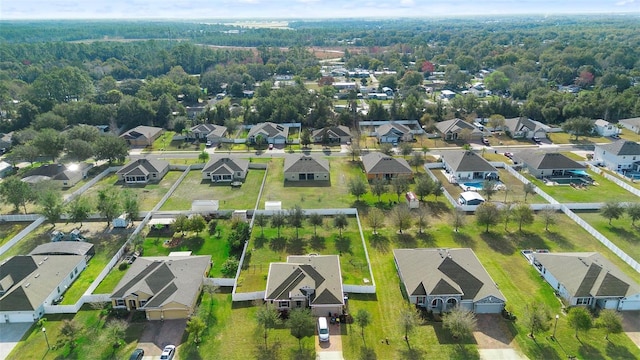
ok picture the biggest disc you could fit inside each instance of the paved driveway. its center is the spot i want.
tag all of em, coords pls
(631, 325)
(158, 334)
(10, 335)
(331, 350)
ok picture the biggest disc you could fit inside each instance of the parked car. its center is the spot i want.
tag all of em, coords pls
(137, 354)
(536, 140)
(509, 155)
(168, 353)
(209, 143)
(270, 146)
(486, 141)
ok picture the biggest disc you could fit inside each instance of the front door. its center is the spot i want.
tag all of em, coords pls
(132, 305)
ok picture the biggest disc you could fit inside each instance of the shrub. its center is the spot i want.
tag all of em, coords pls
(230, 267)
(123, 266)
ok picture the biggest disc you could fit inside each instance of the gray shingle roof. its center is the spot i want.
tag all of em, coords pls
(332, 131)
(209, 129)
(521, 123)
(147, 132)
(455, 126)
(225, 164)
(621, 147)
(143, 167)
(305, 164)
(379, 163)
(588, 274)
(466, 160)
(396, 128)
(548, 161)
(445, 272)
(64, 248)
(269, 129)
(631, 121)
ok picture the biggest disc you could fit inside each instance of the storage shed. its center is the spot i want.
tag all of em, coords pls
(412, 200)
(470, 198)
(205, 206)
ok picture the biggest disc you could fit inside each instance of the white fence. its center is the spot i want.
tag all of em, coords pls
(19, 217)
(224, 282)
(359, 289)
(256, 295)
(4, 248)
(92, 182)
(524, 180)
(614, 179)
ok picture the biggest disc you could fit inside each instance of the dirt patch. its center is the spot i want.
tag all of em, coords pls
(493, 332)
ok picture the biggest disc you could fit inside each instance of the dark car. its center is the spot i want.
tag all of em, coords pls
(137, 354)
(485, 141)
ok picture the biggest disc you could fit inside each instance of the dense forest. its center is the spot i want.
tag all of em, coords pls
(126, 73)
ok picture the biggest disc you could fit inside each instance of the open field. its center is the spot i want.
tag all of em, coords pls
(270, 248)
(621, 231)
(589, 194)
(566, 138)
(9, 230)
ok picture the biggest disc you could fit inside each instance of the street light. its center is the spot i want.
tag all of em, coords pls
(44, 331)
(555, 326)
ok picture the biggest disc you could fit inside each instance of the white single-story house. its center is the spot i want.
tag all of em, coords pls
(455, 129)
(271, 133)
(380, 166)
(142, 171)
(540, 164)
(524, 128)
(470, 198)
(306, 168)
(605, 128)
(632, 124)
(393, 132)
(332, 135)
(222, 168)
(619, 155)
(466, 164)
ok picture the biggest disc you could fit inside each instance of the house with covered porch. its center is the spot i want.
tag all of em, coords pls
(541, 165)
(143, 171)
(467, 165)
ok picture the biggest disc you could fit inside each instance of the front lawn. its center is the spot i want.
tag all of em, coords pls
(588, 194)
(565, 138)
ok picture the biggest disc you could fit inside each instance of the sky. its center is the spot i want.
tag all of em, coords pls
(298, 9)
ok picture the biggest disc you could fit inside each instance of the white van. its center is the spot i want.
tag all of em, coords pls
(323, 329)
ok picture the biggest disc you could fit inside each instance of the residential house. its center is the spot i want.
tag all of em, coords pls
(455, 129)
(64, 176)
(380, 166)
(393, 132)
(524, 128)
(605, 128)
(209, 132)
(540, 164)
(466, 164)
(332, 135)
(271, 133)
(313, 281)
(30, 282)
(621, 155)
(632, 124)
(164, 287)
(142, 135)
(142, 171)
(81, 248)
(221, 168)
(6, 141)
(588, 279)
(306, 168)
(5, 169)
(345, 85)
(442, 279)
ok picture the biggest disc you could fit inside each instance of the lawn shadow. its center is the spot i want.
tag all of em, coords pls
(271, 352)
(193, 243)
(379, 242)
(362, 206)
(498, 243)
(590, 352)
(242, 304)
(367, 353)
(406, 240)
(318, 243)
(463, 239)
(343, 244)
(259, 241)
(444, 337)
(559, 239)
(426, 238)
(302, 354)
(618, 352)
(464, 352)
(412, 354)
(438, 208)
(623, 233)
(528, 240)
(278, 243)
(296, 246)
(308, 184)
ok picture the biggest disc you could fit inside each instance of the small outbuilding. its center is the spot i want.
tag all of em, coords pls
(121, 221)
(205, 206)
(273, 205)
(412, 200)
(470, 198)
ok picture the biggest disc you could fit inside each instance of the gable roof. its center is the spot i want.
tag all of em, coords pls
(621, 147)
(316, 276)
(455, 126)
(522, 123)
(55, 172)
(167, 278)
(379, 163)
(145, 132)
(220, 164)
(269, 129)
(143, 167)
(631, 121)
(64, 248)
(392, 127)
(305, 164)
(601, 123)
(209, 129)
(32, 279)
(332, 132)
(548, 161)
(587, 274)
(466, 160)
(445, 272)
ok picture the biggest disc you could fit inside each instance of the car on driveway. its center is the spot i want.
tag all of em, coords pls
(536, 140)
(486, 141)
(137, 354)
(168, 353)
(509, 155)
(270, 146)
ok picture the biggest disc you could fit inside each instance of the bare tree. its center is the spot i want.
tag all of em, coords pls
(376, 219)
(549, 216)
(422, 218)
(459, 219)
(401, 216)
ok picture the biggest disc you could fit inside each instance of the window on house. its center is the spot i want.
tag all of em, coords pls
(583, 301)
(76, 271)
(143, 303)
(283, 304)
(71, 276)
(298, 303)
(120, 302)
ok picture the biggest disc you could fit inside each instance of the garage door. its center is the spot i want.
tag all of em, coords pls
(488, 308)
(630, 305)
(20, 317)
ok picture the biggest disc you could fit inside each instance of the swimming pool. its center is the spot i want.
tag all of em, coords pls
(568, 181)
(477, 185)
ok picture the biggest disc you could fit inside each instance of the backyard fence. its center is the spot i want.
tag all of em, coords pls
(359, 289)
(249, 296)
(222, 282)
(615, 180)
(19, 236)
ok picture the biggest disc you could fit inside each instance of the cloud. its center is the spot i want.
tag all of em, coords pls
(625, 2)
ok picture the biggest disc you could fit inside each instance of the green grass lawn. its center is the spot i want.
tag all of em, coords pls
(165, 143)
(565, 138)
(353, 262)
(148, 195)
(621, 232)
(93, 341)
(193, 187)
(630, 135)
(590, 194)
(9, 230)
(108, 284)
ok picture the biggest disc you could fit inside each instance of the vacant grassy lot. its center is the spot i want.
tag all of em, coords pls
(148, 195)
(270, 249)
(630, 135)
(588, 194)
(193, 187)
(621, 232)
(93, 341)
(565, 138)
(9, 230)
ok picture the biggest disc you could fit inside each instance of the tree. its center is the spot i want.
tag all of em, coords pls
(378, 187)
(195, 327)
(260, 220)
(496, 121)
(612, 210)
(340, 221)
(549, 217)
(489, 188)
(295, 218)
(416, 160)
(529, 189)
(357, 187)
(579, 318)
(180, 224)
(424, 187)
(69, 331)
(277, 221)
(400, 186)
(27, 152)
(116, 330)
(301, 324)
(79, 150)
(437, 189)
(537, 317)
(506, 214)
(362, 318)
(315, 220)
(386, 148)
(111, 148)
(17, 192)
(459, 219)
(523, 214)
(268, 318)
(460, 323)
(611, 321)
(487, 214)
(109, 204)
(50, 143)
(497, 81)
(401, 216)
(212, 227)
(197, 223)
(408, 319)
(203, 156)
(423, 218)
(376, 219)
(305, 138)
(131, 206)
(578, 126)
(230, 267)
(405, 149)
(51, 206)
(633, 210)
(79, 210)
